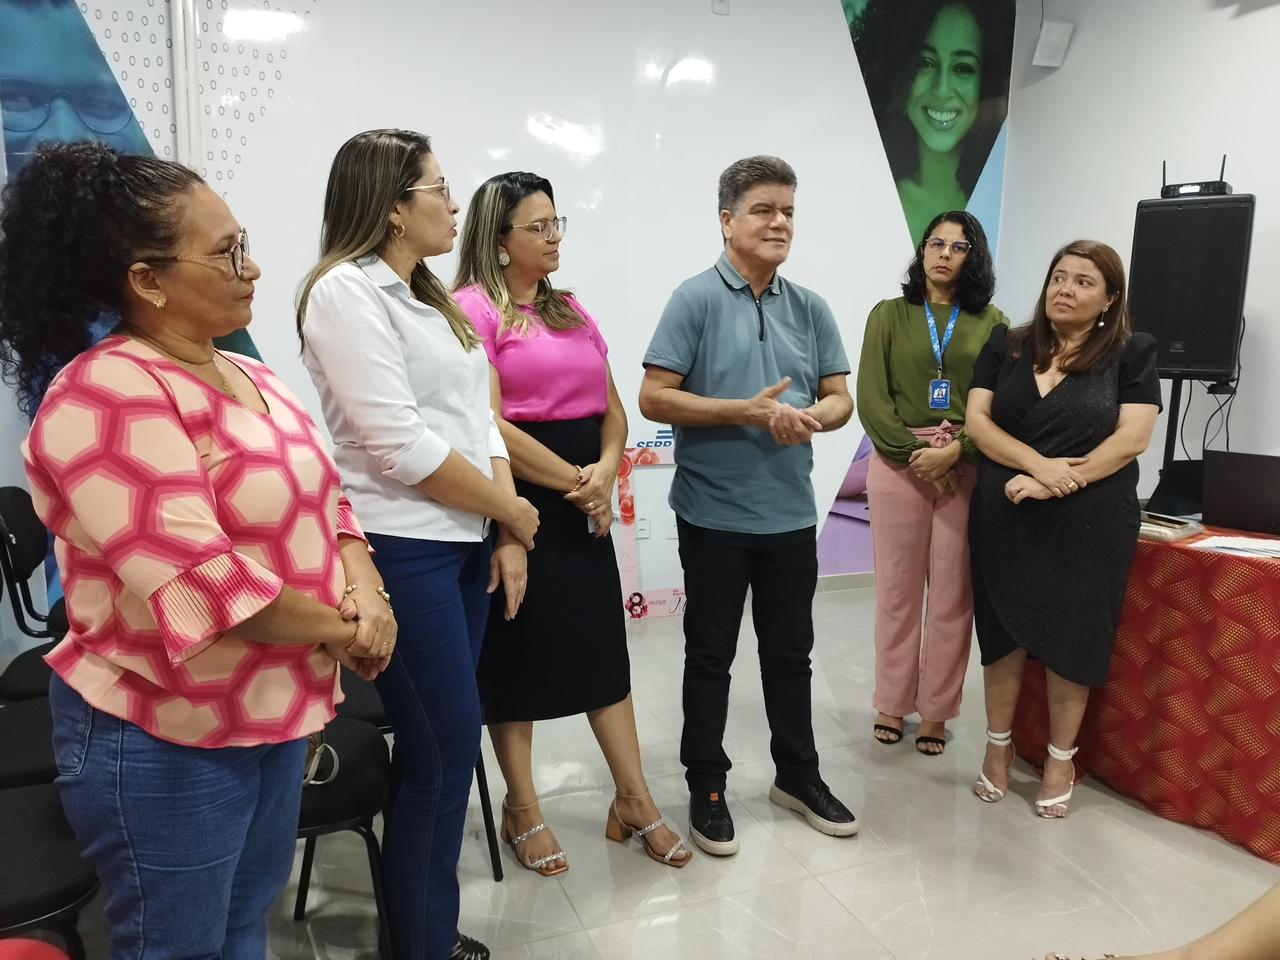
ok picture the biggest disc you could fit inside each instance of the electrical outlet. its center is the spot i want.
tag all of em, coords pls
(642, 528)
(720, 7)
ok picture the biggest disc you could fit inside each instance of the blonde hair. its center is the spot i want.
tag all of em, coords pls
(488, 220)
(370, 172)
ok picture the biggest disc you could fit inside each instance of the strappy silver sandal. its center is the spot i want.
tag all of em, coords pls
(619, 830)
(548, 866)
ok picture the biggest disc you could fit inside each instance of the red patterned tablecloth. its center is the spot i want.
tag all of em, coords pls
(1189, 723)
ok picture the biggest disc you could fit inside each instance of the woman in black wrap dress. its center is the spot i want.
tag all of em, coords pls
(1060, 409)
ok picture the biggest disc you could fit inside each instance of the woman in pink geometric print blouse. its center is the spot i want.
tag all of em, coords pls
(214, 574)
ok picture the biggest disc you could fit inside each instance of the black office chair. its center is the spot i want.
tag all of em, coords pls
(24, 542)
(44, 882)
(26, 745)
(27, 676)
(352, 796)
(363, 703)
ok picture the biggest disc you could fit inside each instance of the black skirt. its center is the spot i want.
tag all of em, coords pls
(565, 652)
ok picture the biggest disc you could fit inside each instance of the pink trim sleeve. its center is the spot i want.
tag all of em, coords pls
(204, 602)
(348, 525)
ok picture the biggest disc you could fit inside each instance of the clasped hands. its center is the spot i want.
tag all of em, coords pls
(789, 426)
(369, 650)
(1051, 477)
(593, 494)
(934, 465)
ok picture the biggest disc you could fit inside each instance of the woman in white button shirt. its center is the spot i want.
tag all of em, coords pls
(404, 385)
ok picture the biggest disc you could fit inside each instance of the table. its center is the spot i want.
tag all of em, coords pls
(1189, 722)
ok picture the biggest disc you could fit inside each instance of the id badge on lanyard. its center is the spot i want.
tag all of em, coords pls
(940, 389)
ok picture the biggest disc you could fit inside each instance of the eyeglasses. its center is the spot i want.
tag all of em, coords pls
(958, 247)
(547, 229)
(236, 254)
(26, 106)
(442, 186)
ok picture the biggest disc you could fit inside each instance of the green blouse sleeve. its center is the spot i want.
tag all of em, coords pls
(876, 409)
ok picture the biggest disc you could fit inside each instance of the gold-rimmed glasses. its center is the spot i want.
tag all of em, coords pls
(442, 186)
(235, 254)
(547, 229)
(958, 247)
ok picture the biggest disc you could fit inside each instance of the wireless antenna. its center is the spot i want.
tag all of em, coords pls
(1164, 175)
(1222, 174)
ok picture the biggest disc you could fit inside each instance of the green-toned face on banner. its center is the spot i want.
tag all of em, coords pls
(948, 82)
(937, 74)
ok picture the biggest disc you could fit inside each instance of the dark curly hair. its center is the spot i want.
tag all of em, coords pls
(976, 283)
(75, 217)
(888, 37)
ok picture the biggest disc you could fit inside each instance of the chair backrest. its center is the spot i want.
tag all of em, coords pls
(26, 539)
(24, 542)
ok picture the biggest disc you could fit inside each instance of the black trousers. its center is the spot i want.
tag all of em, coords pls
(782, 571)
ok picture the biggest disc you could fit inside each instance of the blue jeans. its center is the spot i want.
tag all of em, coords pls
(430, 695)
(192, 846)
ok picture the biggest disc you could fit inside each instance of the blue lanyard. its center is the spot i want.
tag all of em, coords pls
(940, 348)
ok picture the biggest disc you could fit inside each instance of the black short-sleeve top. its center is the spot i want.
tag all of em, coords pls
(1014, 381)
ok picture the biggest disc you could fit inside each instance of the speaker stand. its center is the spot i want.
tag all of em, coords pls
(1171, 428)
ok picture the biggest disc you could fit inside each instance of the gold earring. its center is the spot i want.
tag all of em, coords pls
(160, 301)
(398, 231)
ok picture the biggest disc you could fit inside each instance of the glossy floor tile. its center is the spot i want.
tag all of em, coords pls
(933, 872)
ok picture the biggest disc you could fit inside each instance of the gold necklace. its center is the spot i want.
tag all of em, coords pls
(223, 384)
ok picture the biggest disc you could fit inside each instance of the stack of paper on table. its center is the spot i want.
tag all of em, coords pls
(1241, 546)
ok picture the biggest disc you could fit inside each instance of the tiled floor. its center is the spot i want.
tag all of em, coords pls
(933, 873)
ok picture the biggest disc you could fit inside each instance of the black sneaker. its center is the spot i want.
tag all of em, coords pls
(820, 809)
(468, 948)
(711, 825)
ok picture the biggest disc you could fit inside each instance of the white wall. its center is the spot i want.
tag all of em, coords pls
(1145, 81)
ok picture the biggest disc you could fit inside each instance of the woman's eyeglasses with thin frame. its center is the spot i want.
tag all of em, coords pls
(958, 247)
(547, 229)
(442, 186)
(236, 254)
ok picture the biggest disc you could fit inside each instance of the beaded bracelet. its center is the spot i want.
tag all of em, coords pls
(378, 590)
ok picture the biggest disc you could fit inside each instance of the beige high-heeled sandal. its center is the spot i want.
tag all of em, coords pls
(1045, 808)
(619, 830)
(548, 866)
(984, 789)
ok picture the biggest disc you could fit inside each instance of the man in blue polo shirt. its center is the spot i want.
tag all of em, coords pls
(747, 366)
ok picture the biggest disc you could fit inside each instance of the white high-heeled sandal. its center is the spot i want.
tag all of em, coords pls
(1044, 808)
(984, 789)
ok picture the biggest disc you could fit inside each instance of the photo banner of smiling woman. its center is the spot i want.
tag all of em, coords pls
(937, 75)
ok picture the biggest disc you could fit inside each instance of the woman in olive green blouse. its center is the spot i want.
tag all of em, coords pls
(918, 355)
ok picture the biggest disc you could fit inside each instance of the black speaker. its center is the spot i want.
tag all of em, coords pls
(1187, 281)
